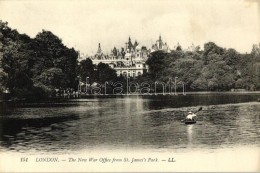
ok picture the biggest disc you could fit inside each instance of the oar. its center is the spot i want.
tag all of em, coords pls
(198, 110)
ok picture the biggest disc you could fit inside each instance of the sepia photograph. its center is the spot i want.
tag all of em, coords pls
(129, 86)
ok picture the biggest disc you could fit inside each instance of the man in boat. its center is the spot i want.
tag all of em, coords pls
(191, 116)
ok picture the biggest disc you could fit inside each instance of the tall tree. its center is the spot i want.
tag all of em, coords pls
(105, 73)
(156, 63)
(51, 53)
(86, 69)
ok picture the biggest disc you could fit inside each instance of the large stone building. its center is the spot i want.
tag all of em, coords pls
(130, 60)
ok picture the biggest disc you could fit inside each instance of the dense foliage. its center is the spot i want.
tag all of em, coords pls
(34, 68)
(214, 69)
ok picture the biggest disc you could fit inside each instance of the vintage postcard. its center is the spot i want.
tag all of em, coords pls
(129, 86)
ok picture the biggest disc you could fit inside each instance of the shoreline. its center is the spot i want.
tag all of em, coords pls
(91, 98)
(66, 97)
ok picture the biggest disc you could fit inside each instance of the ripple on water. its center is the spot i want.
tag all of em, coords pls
(135, 124)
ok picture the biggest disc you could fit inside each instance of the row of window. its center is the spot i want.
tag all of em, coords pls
(129, 73)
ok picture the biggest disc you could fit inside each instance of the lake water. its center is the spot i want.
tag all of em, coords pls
(131, 122)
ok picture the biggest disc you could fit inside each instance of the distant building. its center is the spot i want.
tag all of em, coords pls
(159, 45)
(129, 61)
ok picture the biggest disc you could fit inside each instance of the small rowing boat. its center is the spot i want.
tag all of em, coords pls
(190, 121)
(191, 117)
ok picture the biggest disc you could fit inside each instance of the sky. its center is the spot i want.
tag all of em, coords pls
(84, 24)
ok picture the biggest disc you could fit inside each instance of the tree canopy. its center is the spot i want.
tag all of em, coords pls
(213, 69)
(39, 64)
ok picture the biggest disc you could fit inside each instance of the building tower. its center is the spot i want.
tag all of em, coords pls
(130, 45)
(160, 46)
(99, 51)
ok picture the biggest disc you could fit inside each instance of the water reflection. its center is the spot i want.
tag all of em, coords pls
(130, 122)
(189, 134)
